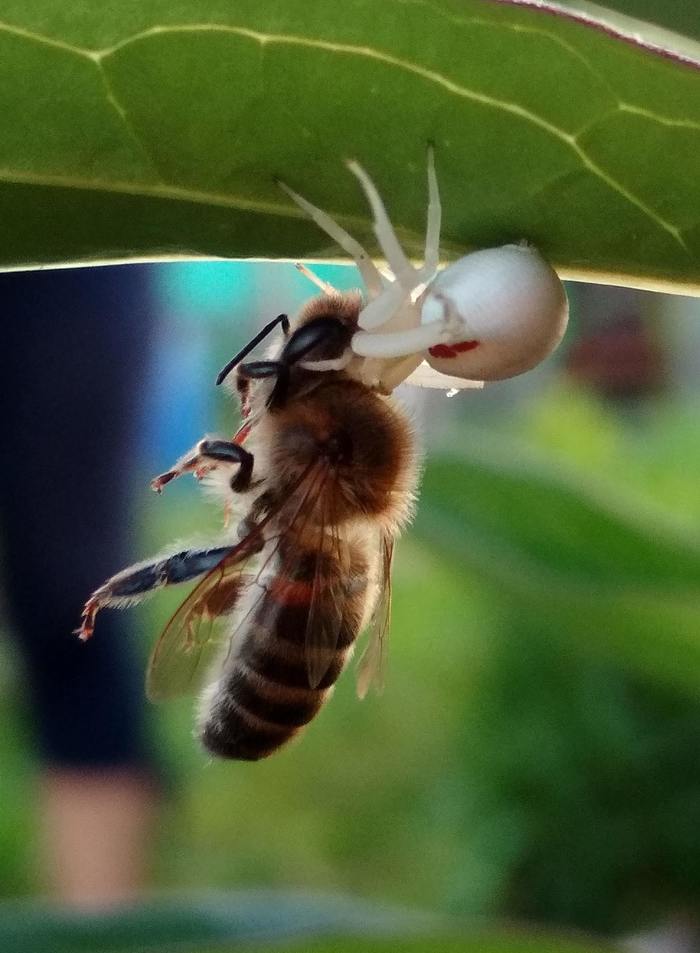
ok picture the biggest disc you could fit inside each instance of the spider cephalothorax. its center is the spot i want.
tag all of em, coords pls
(492, 314)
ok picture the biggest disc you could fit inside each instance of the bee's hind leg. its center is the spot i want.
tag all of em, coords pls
(206, 455)
(135, 583)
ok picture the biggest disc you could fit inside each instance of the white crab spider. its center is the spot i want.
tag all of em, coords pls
(492, 314)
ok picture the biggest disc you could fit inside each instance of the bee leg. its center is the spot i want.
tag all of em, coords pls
(260, 508)
(133, 584)
(186, 464)
(227, 452)
(205, 454)
(258, 370)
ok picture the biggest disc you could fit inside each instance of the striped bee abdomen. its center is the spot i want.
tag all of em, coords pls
(264, 694)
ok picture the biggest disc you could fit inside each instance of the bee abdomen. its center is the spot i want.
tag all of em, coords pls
(264, 695)
(273, 702)
(254, 716)
(282, 660)
(265, 699)
(239, 735)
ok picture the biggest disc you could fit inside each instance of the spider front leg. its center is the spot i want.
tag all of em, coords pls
(450, 328)
(369, 271)
(402, 268)
(134, 584)
(431, 258)
(206, 455)
(395, 307)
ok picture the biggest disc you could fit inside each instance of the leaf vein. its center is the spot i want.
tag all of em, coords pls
(162, 191)
(47, 40)
(431, 76)
(655, 117)
(515, 28)
(126, 122)
(370, 53)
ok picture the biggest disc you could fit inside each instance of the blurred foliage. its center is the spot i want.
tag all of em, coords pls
(257, 922)
(197, 920)
(481, 943)
(580, 737)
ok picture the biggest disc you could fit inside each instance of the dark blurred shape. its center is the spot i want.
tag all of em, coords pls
(615, 351)
(74, 361)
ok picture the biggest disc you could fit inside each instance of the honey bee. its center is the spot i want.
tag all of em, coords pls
(328, 469)
(324, 471)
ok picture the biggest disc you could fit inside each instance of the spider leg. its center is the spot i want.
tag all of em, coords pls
(384, 230)
(390, 307)
(432, 232)
(449, 329)
(394, 311)
(382, 309)
(325, 286)
(369, 271)
(395, 372)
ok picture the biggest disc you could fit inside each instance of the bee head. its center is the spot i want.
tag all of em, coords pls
(323, 330)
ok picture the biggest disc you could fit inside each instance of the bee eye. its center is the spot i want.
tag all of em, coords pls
(324, 337)
(509, 310)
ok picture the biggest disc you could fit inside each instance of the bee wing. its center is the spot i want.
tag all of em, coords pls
(181, 658)
(329, 595)
(370, 668)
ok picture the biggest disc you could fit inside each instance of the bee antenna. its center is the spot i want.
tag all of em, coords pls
(325, 286)
(261, 335)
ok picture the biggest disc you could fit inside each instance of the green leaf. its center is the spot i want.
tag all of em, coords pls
(601, 574)
(156, 130)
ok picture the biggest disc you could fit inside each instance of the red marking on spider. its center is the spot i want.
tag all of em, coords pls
(452, 350)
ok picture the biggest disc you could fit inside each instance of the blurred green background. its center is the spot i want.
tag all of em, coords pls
(534, 755)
